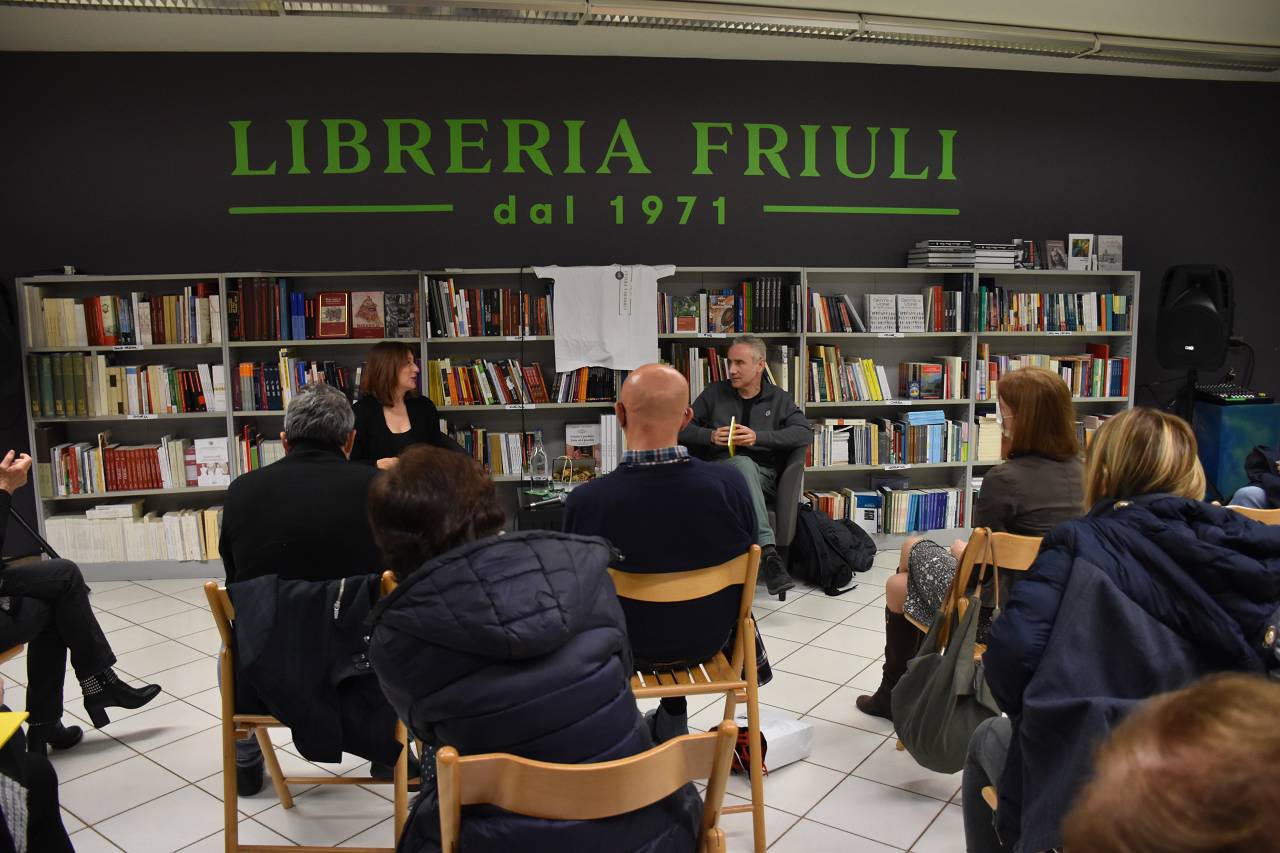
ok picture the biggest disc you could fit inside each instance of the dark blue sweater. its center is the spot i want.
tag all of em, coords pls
(670, 518)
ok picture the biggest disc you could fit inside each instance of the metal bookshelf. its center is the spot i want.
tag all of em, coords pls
(883, 348)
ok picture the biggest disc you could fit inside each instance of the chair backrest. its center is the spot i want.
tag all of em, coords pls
(1266, 516)
(583, 791)
(223, 611)
(670, 587)
(1008, 551)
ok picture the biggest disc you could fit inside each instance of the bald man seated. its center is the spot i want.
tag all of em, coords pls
(667, 512)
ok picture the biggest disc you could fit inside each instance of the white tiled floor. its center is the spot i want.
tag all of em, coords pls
(151, 780)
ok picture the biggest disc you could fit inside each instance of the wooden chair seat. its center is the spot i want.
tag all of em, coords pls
(713, 676)
(11, 653)
(240, 726)
(1266, 516)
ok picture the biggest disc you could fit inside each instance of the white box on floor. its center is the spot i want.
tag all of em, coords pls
(787, 740)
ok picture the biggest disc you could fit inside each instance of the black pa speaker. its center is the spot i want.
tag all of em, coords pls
(1197, 311)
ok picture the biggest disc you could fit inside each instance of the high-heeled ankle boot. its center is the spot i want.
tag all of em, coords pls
(902, 640)
(106, 690)
(40, 736)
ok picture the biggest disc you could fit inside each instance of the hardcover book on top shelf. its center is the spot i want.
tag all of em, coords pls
(75, 385)
(277, 309)
(458, 312)
(131, 319)
(767, 304)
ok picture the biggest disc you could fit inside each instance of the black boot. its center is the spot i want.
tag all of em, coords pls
(776, 579)
(106, 690)
(42, 735)
(249, 778)
(902, 639)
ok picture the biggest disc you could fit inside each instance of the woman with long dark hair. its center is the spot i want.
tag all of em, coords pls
(391, 415)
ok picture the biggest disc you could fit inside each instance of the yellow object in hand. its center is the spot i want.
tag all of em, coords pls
(733, 422)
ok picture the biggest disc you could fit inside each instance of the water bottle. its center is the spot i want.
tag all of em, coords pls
(539, 467)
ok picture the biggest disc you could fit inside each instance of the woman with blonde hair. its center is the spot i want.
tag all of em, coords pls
(1151, 590)
(1037, 487)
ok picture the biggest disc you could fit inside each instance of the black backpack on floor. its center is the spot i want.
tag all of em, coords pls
(826, 553)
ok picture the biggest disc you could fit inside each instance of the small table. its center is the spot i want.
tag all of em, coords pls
(540, 512)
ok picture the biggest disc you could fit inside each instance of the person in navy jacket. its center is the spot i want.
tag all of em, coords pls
(1151, 590)
(507, 643)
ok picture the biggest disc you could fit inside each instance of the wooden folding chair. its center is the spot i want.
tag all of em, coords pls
(239, 726)
(588, 791)
(1266, 516)
(736, 679)
(11, 653)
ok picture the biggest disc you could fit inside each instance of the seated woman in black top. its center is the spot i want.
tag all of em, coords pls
(390, 415)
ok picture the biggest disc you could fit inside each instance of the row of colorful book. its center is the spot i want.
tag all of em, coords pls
(1094, 373)
(192, 316)
(77, 385)
(272, 309)
(902, 510)
(918, 437)
(1001, 309)
(458, 312)
(122, 532)
(102, 466)
(764, 304)
(836, 378)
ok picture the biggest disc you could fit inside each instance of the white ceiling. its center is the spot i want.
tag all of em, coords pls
(1251, 22)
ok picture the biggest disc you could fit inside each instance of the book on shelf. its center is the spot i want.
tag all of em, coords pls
(589, 385)
(481, 382)
(213, 462)
(129, 319)
(1094, 373)
(703, 365)
(78, 385)
(835, 378)
(947, 306)
(117, 533)
(1087, 426)
(253, 451)
(457, 312)
(1110, 252)
(1055, 253)
(941, 253)
(910, 312)
(996, 255)
(781, 366)
(295, 373)
(368, 314)
(918, 438)
(401, 315)
(612, 443)
(1001, 309)
(863, 508)
(903, 510)
(333, 314)
(501, 453)
(835, 313)
(1080, 252)
(988, 438)
(882, 313)
(944, 378)
(762, 304)
(582, 453)
(102, 466)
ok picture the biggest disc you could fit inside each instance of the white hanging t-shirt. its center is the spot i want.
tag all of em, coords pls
(605, 316)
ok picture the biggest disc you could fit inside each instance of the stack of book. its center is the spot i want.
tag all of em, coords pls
(944, 378)
(135, 319)
(833, 314)
(941, 253)
(1094, 373)
(844, 441)
(254, 452)
(457, 312)
(501, 453)
(1003, 310)
(996, 255)
(912, 510)
(484, 383)
(115, 533)
(77, 385)
(862, 508)
(588, 385)
(1087, 426)
(833, 378)
(988, 444)
(271, 309)
(612, 443)
(102, 466)
(764, 304)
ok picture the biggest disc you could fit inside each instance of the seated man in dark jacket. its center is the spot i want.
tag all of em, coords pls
(767, 425)
(302, 518)
(1151, 590)
(507, 643)
(667, 512)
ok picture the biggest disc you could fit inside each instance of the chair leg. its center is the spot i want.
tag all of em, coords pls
(230, 796)
(273, 766)
(756, 759)
(401, 779)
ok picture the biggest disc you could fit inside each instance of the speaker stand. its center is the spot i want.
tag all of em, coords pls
(34, 534)
(1187, 409)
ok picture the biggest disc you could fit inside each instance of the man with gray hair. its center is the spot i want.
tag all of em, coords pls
(302, 518)
(767, 425)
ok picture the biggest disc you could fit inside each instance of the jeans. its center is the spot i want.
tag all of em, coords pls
(762, 483)
(988, 749)
(53, 617)
(1250, 496)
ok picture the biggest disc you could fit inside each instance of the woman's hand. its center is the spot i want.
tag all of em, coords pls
(13, 471)
(386, 463)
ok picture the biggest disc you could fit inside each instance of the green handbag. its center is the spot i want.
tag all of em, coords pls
(942, 698)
